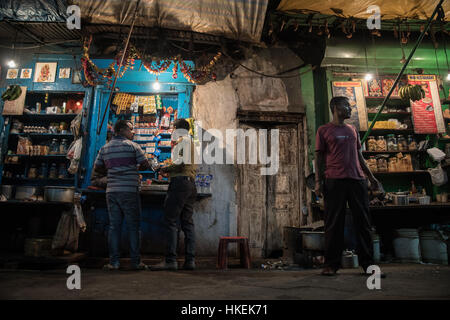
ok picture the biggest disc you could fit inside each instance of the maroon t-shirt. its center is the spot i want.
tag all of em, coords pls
(340, 145)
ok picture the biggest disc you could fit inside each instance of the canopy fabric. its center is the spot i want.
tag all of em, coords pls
(234, 19)
(33, 10)
(412, 9)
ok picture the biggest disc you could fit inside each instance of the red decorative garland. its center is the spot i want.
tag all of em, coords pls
(92, 72)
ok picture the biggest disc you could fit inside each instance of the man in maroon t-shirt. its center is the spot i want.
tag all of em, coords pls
(341, 167)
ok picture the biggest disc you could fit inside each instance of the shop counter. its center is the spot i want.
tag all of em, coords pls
(152, 227)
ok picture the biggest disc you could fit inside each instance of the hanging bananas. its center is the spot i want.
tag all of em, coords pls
(410, 92)
(12, 93)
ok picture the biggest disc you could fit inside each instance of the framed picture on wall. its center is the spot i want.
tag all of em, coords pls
(12, 73)
(25, 73)
(76, 76)
(45, 72)
(64, 73)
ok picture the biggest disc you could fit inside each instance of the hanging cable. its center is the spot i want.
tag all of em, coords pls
(271, 75)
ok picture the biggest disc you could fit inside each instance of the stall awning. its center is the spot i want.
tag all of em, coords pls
(234, 19)
(412, 9)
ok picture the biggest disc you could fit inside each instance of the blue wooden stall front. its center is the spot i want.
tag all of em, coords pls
(174, 92)
(59, 86)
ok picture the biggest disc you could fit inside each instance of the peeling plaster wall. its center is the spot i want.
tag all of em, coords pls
(215, 105)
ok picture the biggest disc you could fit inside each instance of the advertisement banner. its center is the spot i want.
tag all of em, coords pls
(427, 112)
(353, 90)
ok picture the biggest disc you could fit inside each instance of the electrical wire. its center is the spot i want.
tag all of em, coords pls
(187, 50)
(39, 46)
(272, 75)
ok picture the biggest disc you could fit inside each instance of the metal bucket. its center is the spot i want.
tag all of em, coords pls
(433, 247)
(313, 240)
(406, 246)
(349, 260)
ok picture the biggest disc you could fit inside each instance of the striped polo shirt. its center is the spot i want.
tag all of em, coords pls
(121, 158)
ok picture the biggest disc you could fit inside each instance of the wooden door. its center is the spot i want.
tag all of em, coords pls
(269, 203)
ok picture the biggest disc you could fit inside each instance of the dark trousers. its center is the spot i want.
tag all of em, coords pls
(337, 193)
(179, 207)
(124, 205)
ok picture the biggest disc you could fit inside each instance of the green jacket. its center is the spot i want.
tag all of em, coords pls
(183, 169)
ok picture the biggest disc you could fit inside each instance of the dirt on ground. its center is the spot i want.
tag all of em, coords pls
(403, 281)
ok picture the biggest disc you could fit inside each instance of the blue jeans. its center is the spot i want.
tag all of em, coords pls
(179, 207)
(124, 205)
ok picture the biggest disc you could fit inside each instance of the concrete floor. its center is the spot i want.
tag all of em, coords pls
(404, 281)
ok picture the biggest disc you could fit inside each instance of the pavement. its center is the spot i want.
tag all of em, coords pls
(403, 281)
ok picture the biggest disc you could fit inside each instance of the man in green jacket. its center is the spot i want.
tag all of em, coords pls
(179, 202)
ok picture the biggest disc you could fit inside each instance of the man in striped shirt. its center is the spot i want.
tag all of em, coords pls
(122, 159)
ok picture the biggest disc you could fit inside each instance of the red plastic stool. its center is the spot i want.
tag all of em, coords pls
(222, 257)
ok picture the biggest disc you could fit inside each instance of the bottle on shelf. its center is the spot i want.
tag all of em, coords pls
(54, 147)
(413, 188)
(43, 171)
(53, 172)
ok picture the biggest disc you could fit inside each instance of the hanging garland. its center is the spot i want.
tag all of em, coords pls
(92, 72)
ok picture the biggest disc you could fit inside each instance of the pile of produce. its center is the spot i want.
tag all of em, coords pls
(410, 92)
(12, 93)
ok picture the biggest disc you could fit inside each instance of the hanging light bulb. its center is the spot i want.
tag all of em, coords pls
(12, 64)
(156, 85)
(368, 77)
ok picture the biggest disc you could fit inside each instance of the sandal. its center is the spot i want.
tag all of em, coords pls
(110, 267)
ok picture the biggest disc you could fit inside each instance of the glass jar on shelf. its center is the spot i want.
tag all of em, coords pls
(401, 143)
(372, 164)
(62, 172)
(392, 166)
(43, 171)
(371, 144)
(391, 143)
(382, 165)
(381, 144)
(54, 147)
(32, 173)
(412, 144)
(63, 146)
(53, 172)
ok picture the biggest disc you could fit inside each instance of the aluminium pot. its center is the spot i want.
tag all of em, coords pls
(7, 191)
(59, 194)
(27, 193)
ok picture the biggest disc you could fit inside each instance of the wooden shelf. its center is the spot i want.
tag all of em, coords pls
(392, 131)
(392, 152)
(46, 180)
(401, 172)
(46, 156)
(35, 203)
(43, 134)
(390, 113)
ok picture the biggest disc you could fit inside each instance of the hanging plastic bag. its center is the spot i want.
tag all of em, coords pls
(438, 176)
(75, 125)
(74, 154)
(436, 154)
